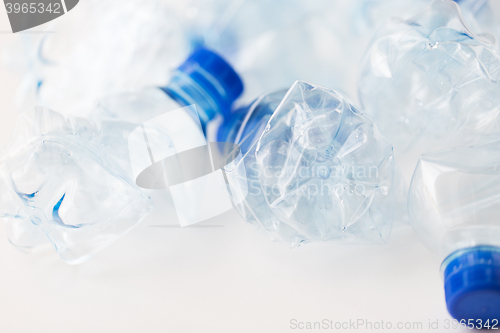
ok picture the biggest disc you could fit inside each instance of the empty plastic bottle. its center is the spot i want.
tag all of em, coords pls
(73, 180)
(454, 206)
(310, 167)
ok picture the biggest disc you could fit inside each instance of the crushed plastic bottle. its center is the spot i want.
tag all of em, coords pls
(73, 181)
(59, 181)
(454, 204)
(310, 167)
(430, 83)
(201, 90)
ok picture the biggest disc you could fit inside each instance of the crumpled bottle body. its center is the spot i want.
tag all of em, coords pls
(63, 180)
(319, 170)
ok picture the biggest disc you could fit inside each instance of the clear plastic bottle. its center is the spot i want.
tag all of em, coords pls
(202, 89)
(169, 144)
(73, 181)
(205, 80)
(310, 167)
(454, 205)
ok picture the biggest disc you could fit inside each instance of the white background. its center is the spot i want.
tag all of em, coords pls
(160, 278)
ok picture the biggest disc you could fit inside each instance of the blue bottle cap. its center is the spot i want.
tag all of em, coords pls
(215, 76)
(472, 284)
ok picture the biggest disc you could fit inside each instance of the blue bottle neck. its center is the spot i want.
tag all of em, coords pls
(206, 81)
(185, 91)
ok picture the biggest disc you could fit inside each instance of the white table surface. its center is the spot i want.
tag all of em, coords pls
(222, 279)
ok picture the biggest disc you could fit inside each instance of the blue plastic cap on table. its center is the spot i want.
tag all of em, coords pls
(472, 285)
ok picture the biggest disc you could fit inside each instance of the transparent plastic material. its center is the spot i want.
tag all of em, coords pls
(454, 199)
(61, 179)
(108, 46)
(244, 125)
(483, 16)
(274, 43)
(430, 83)
(316, 169)
(100, 48)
